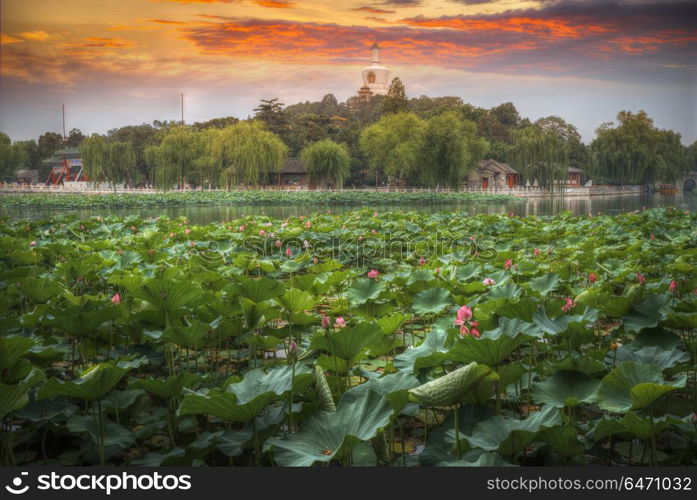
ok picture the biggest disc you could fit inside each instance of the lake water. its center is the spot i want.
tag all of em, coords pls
(202, 214)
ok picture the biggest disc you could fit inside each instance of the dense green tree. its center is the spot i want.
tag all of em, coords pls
(122, 163)
(393, 146)
(271, 112)
(29, 153)
(248, 153)
(636, 152)
(75, 138)
(49, 143)
(450, 147)
(396, 98)
(540, 155)
(139, 136)
(426, 107)
(174, 158)
(7, 157)
(327, 163)
(578, 153)
(112, 162)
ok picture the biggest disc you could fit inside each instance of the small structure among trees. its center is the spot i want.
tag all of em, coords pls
(493, 174)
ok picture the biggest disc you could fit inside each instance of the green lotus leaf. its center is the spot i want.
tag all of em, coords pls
(649, 355)
(258, 290)
(169, 295)
(646, 314)
(296, 301)
(394, 386)
(424, 355)
(390, 324)
(41, 290)
(642, 427)
(92, 385)
(15, 396)
(431, 301)
(116, 437)
(170, 387)
(349, 343)
(364, 289)
(325, 436)
(509, 436)
(631, 386)
(192, 336)
(452, 387)
(565, 388)
(545, 284)
(326, 399)
(563, 439)
(490, 349)
(244, 400)
(12, 349)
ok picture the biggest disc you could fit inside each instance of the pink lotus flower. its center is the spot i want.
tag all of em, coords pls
(32, 243)
(326, 322)
(375, 214)
(475, 333)
(116, 299)
(438, 270)
(361, 238)
(308, 224)
(507, 265)
(171, 235)
(693, 417)
(374, 231)
(373, 273)
(289, 252)
(315, 260)
(133, 228)
(536, 252)
(339, 322)
(292, 347)
(488, 282)
(568, 305)
(422, 261)
(464, 331)
(592, 277)
(640, 278)
(262, 232)
(652, 237)
(278, 243)
(464, 314)
(241, 228)
(673, 285)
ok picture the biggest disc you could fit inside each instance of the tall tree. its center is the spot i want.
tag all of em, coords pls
(174, 158)
(396, 98)
(75, 138)
(8, 157)
(393, 145)
(249, 153)
(540, 155)
(327, 163)
(49, 143)
(450, 147)
(636, 152)
(271, 112)
(95, 158)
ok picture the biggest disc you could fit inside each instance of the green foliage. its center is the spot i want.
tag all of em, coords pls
(327, 163)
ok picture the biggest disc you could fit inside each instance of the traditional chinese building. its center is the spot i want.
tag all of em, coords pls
(493, 174)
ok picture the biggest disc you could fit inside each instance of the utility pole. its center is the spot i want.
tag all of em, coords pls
(182, 98)
(63, 121)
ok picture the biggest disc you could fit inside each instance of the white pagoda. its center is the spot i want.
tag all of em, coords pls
(375, 76)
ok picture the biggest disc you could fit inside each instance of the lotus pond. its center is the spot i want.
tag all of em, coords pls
(391, 339)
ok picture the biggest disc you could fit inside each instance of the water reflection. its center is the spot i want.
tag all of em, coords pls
(202, 214)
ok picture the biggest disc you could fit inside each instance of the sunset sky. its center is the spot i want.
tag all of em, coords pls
(119, 62)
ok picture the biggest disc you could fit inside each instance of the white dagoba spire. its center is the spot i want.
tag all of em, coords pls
(375, 76)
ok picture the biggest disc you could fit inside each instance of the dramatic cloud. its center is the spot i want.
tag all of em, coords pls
(373, 10)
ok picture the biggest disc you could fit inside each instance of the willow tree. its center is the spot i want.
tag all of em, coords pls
(121, 163)
(450, 147)
(174, 158)
(249, 154)
(393, 146)
(541, 155)
(95, 158)
(327, 162)
(636, 152)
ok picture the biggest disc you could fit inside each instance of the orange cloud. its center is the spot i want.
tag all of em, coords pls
(166, 21)
(275, 4)
(7, 39)
(373, 10)
(39, 36)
